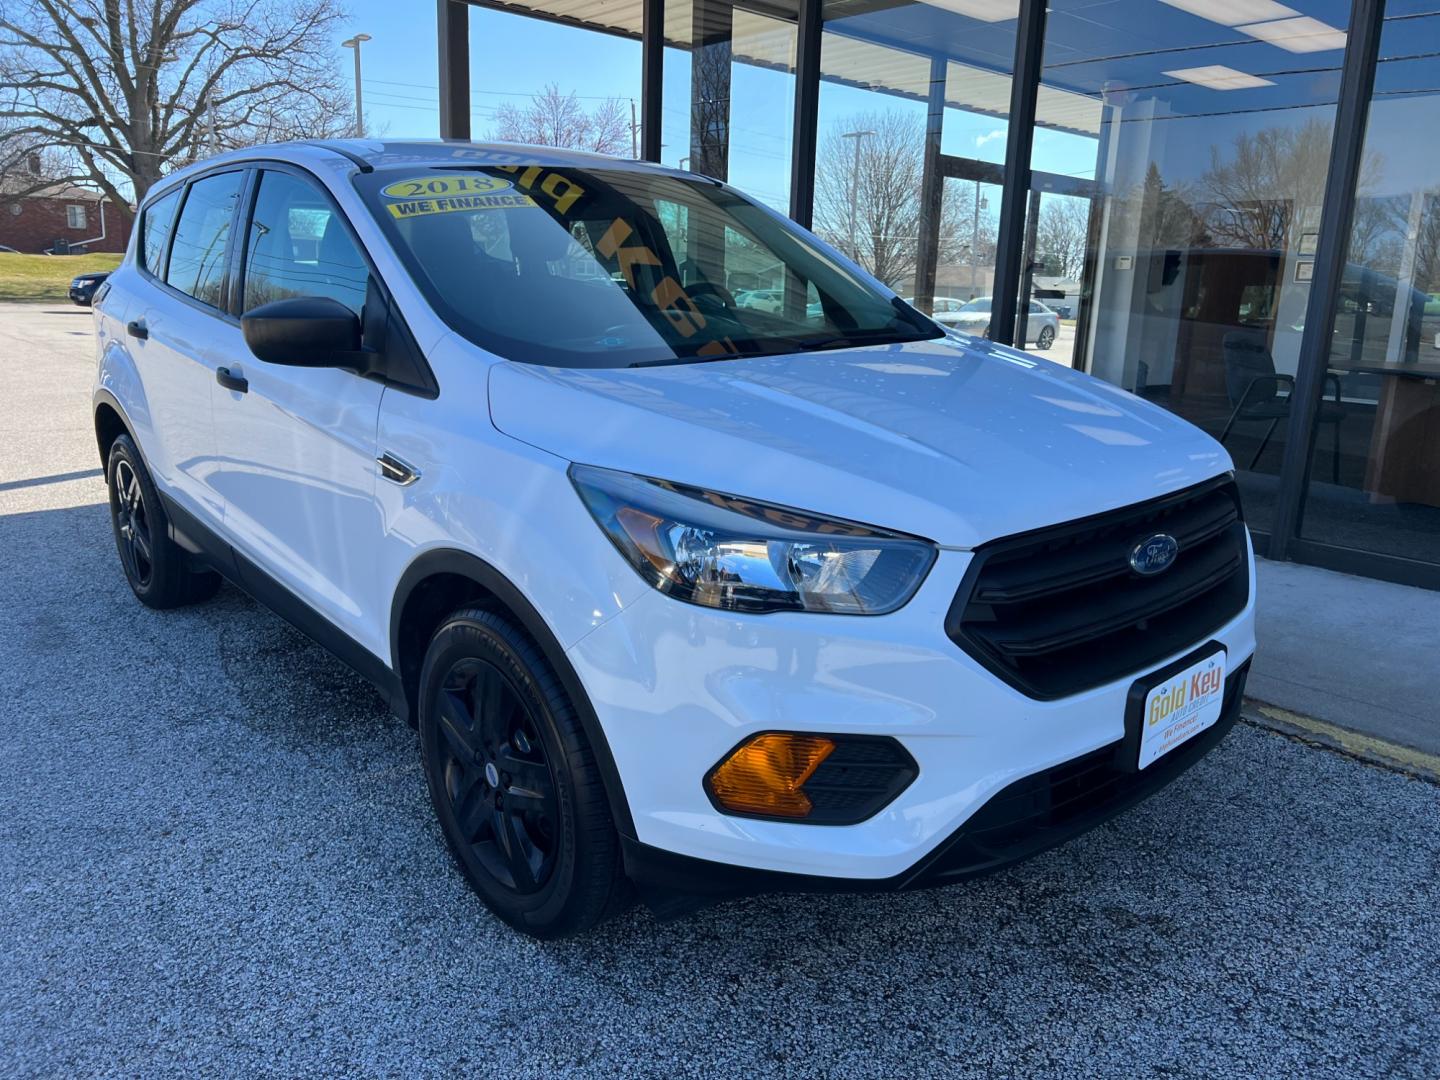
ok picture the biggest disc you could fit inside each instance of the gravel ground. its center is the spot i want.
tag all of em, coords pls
(217, 857)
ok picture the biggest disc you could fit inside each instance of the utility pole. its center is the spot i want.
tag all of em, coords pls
(975, 241)
(634, 132)
(354, 43)
(855, 188)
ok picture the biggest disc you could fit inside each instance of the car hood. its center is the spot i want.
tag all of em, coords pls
(959, 440)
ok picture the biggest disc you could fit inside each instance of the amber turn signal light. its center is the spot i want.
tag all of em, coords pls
(764, 775)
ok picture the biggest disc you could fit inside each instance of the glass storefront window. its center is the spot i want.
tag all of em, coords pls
(1195, 204)
(914, 105)
(581, 90)
(729, 94)
(1375, 471)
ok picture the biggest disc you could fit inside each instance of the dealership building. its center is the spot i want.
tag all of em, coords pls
(1234, 205)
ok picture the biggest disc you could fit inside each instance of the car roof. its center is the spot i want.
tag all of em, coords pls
(345, 155)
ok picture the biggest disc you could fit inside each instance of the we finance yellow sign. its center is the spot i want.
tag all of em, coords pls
(432, 194)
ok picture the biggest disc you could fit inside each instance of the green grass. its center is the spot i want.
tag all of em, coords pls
(46, 277)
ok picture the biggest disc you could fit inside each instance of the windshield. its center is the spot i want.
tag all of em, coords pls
(615, 267)
(983, 304)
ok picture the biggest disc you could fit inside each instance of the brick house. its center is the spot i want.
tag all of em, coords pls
(60, 218)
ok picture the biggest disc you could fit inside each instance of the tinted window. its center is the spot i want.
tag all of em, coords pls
(197, 254)
(298, 246)
(155, 228)
(983, 304)
(608, 267)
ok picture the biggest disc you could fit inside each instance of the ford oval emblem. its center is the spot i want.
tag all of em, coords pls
(1154, 554)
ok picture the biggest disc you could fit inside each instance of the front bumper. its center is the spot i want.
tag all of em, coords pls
(675, 687)
(1027, 817)
(82, 294)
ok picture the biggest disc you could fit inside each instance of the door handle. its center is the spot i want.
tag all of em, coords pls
(136, 328)
(238, 383)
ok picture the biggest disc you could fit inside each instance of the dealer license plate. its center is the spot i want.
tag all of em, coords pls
(1181, 707)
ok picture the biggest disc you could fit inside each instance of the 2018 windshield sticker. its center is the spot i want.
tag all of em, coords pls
(421, 195)
(424, 187)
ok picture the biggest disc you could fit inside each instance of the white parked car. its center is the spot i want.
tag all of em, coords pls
(685, 598)
(1042, 325)
(771, 300)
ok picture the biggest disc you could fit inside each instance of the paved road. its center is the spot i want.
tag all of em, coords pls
(216, 857)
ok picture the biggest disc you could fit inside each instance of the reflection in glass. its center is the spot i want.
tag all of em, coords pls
(1209, 170)
(914, 99)
(728, 107)
(1375, 481)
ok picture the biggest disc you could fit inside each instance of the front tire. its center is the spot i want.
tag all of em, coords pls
(156, 568)
(513, 780)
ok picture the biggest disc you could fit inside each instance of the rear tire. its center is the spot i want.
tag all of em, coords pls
(1046, 338)
(514, 782)
(157, 569)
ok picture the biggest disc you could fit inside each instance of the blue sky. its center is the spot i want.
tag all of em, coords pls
(513, 57)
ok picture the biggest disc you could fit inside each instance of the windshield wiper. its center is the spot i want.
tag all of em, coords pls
(707, 358)
(785, 346)
(870, 337)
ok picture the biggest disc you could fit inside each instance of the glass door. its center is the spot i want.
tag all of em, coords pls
(1059, 241)
(965, 248)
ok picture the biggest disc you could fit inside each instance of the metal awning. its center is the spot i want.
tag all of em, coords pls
(763, 37)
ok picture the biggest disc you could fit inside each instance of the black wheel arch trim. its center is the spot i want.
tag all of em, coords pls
(105, 397)
(477, 570)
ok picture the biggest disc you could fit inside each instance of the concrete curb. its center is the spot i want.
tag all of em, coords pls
(1326, 736)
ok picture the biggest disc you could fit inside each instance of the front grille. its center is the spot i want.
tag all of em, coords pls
(1049, 807)
(1059, 610)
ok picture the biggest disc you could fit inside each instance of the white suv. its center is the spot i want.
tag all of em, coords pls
(684, 596)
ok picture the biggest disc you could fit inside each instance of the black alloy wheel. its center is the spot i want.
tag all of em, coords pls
(497, 777)
(157, 569)
(132, 524)
(1046, 338)
(514, 780)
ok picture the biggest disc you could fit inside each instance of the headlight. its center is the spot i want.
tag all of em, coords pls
(721, 551)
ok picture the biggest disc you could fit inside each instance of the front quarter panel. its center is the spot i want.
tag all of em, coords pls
(485, 494)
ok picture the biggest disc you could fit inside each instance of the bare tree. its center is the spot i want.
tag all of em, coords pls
(1266, 176)
(123, 91)
(551, 118)
(886, 188)
(1061, 234)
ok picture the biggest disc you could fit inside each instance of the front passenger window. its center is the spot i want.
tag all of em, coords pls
(298, 246)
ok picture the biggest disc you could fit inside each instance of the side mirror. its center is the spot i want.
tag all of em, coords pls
(304, 331)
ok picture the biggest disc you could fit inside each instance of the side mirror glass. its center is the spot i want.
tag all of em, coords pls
(304, 331)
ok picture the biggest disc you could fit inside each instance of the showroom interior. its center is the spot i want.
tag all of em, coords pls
(1225, 201)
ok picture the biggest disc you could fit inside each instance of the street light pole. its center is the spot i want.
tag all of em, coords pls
(855, 188)
(354, 43)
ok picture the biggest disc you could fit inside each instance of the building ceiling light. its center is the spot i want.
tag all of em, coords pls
(1302, 35)
(983, 10)
(1219, 77)
(1234, 12)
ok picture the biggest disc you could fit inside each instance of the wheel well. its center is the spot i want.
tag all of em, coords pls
(441, 582)
(108, 426)
(429, 603)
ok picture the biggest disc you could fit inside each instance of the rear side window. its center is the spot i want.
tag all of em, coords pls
(155, 229)
(298, 246)
(198, 252)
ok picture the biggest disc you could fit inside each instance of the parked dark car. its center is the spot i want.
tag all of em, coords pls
(83, 286)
